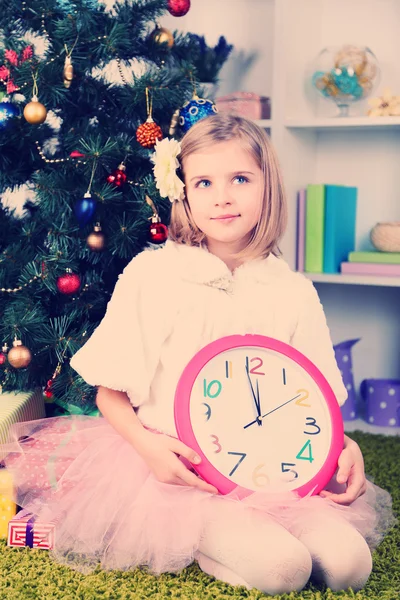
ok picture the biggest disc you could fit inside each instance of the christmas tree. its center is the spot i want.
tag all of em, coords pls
(86, 92)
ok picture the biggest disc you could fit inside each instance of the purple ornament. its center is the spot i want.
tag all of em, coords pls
(382, 397)
(345, 363)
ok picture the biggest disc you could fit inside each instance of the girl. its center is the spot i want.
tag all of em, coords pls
(121, 487)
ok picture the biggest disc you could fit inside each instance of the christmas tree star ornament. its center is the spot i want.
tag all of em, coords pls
(149, 132)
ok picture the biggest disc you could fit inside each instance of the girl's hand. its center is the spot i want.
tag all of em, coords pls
(160, 453)
(350, 472)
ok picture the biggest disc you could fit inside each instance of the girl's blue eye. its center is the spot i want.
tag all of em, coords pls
(242, 179)
(207, 183)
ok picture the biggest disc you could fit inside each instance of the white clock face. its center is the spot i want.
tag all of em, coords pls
(260, 419)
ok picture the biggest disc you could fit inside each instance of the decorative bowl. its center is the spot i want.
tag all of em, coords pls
(386, 236)
(345, 74)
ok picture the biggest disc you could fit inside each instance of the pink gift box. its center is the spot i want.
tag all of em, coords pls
(24, 531)
(246, 104)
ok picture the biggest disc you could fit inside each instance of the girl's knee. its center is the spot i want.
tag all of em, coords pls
(287, 569)
(350, 568)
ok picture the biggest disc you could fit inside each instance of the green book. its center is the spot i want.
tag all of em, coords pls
(315, 216)
(392, 258)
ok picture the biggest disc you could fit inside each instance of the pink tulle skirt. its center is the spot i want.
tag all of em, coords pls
(110, 510)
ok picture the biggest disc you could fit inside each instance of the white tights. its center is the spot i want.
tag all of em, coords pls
(255, 551)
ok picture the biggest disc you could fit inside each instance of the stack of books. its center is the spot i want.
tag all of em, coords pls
(372, 263)
(326, 227)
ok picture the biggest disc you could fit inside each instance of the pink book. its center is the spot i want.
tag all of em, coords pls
(301, 227)
(353, 268)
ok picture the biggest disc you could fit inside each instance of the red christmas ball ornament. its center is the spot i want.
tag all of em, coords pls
(178, 8)
(158, 231)
(68, 283)
(3, 358)
(148, 133)
(47, 390)
(118, 177)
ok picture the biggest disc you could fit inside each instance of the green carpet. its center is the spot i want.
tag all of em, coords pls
(26, 573)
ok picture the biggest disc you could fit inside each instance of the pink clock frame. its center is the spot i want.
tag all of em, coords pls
(184, 427)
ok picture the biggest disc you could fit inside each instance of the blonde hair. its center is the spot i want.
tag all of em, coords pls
(217, 128)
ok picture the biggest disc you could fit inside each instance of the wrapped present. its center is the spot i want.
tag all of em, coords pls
(16, 407)
(7, 506)
(24, 530)
(245, 104)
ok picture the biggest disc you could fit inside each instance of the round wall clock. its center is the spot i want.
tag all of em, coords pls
(261, 416)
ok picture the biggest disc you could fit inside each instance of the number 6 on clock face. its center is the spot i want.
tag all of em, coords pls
(261, 416)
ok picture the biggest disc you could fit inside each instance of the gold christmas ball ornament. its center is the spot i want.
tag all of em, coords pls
(162, 35)
(34, 112)
(19, 356)
(96, 240)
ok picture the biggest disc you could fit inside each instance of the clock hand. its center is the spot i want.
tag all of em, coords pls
(271, 411)
(280, 406)
(255, 398)
(259, 404)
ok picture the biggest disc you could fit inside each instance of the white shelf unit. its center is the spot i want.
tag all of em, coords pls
(316, 146)
(276, 43)
(354, 279)
(326, 123)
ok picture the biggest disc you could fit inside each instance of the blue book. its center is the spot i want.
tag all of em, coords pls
(340, 225)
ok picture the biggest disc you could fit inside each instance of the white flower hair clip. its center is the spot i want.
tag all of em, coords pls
(165, 165)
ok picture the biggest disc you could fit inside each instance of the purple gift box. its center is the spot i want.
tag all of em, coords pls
(382, 398)
(345, 363)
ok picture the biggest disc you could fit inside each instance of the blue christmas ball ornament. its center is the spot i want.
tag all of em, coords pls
(84, 209)
(194, 110)
(7, 111)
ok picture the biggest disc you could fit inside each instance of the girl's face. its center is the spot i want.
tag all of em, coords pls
(224, 189)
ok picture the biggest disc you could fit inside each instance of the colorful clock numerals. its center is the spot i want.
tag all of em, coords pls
(303, 396)
(241, 459)
(228, 369)
(208, 411)
(207, 388)
(302, 454)
(259, 478)
(286, 469)
(253, 370)
(313, 423)
(217, 444)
